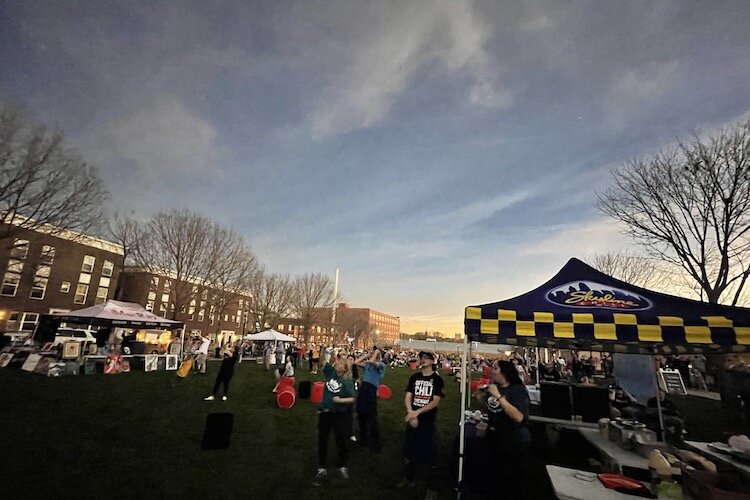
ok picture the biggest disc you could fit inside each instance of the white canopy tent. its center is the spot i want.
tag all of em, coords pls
(270, 335)
(109, 314)
(116, 313)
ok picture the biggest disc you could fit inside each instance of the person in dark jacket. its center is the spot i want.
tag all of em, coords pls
(225, 373)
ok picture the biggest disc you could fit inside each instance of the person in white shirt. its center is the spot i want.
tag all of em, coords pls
(203, 353)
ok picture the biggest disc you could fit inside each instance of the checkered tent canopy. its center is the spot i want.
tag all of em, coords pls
(582, 308)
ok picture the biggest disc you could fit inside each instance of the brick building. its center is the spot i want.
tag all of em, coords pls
(367, 326)
(220, 317)
(51, 270)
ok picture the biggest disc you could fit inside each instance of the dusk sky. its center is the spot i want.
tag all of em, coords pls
(440, 153)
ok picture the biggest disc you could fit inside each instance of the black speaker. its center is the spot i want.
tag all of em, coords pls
(591, 402)
(555, 400)
(137, 348)
(218, 431)
(304, 389)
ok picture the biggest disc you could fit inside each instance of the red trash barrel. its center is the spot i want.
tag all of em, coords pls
(412, 365)
(384, 392)
(486, 371)
(286, 382)
(317, 392)
(286, 397)
(474, 385)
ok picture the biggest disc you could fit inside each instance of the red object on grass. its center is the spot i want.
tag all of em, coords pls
(286, 382)
(384, 392)
(286, 397)
(317, 392)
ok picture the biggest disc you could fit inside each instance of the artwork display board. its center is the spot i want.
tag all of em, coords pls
(150, 362)
(30, 364)
(5, 359)
(71, 350)
(671, 381)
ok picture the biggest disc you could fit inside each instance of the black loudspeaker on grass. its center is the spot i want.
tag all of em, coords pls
(218, 431)
(305, 387)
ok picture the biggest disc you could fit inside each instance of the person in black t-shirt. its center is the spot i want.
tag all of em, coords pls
(423, 394)
(507, 404)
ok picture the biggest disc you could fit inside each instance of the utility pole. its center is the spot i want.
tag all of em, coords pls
(335, 298)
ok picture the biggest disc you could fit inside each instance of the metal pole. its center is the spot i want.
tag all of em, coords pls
(462, 422)
(660, 435)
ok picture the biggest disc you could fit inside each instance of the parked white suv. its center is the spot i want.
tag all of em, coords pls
(66, 334)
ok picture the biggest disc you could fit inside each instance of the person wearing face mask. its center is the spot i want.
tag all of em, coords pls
(507, 404)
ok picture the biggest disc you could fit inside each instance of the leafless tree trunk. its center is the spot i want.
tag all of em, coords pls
(311, 293)
(691, 207)
(44, 185)
(272, 295)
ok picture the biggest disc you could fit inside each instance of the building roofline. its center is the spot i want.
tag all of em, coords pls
(67, 234)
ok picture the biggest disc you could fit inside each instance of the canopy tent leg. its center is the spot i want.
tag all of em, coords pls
(462, 421)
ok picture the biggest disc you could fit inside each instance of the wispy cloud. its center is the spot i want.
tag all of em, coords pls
(161, 136)
(381, 64)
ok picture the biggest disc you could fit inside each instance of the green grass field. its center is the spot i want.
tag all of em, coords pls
(139, 434)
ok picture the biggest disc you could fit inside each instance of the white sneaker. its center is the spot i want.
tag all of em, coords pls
(353, 438)
(320, 474)
(210, 398)
(344, 471)
(223, 398)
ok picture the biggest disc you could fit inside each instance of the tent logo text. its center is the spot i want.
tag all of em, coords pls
(580, 294)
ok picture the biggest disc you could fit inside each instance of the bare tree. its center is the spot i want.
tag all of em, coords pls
(353, 326)
(690, 207)
(272, 294)
(233, 266)
(127, 231)
(640, 270)
(180, 244)
(44, 185)
(311, 292)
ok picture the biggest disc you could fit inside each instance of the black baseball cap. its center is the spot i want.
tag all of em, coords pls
(426, 354)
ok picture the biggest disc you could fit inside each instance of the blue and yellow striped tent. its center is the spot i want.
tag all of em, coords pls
(582, 308)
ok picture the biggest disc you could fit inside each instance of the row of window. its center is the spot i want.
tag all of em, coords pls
(19, 253)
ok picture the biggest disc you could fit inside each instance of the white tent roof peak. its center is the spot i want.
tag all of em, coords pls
(270, 335)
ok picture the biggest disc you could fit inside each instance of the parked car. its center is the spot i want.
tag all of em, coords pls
(16, 338)
(67, 334)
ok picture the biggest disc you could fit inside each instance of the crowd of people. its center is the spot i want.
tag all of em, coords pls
(352, 378)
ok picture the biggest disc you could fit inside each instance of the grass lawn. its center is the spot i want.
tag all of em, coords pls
(139, 434)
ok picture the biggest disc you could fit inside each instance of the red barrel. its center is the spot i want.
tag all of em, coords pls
(412, 365)
(484, 381)
(286, 397)
(286, 382)
(474, 385)
(486, 372)
(384, 392)
(317, 392)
